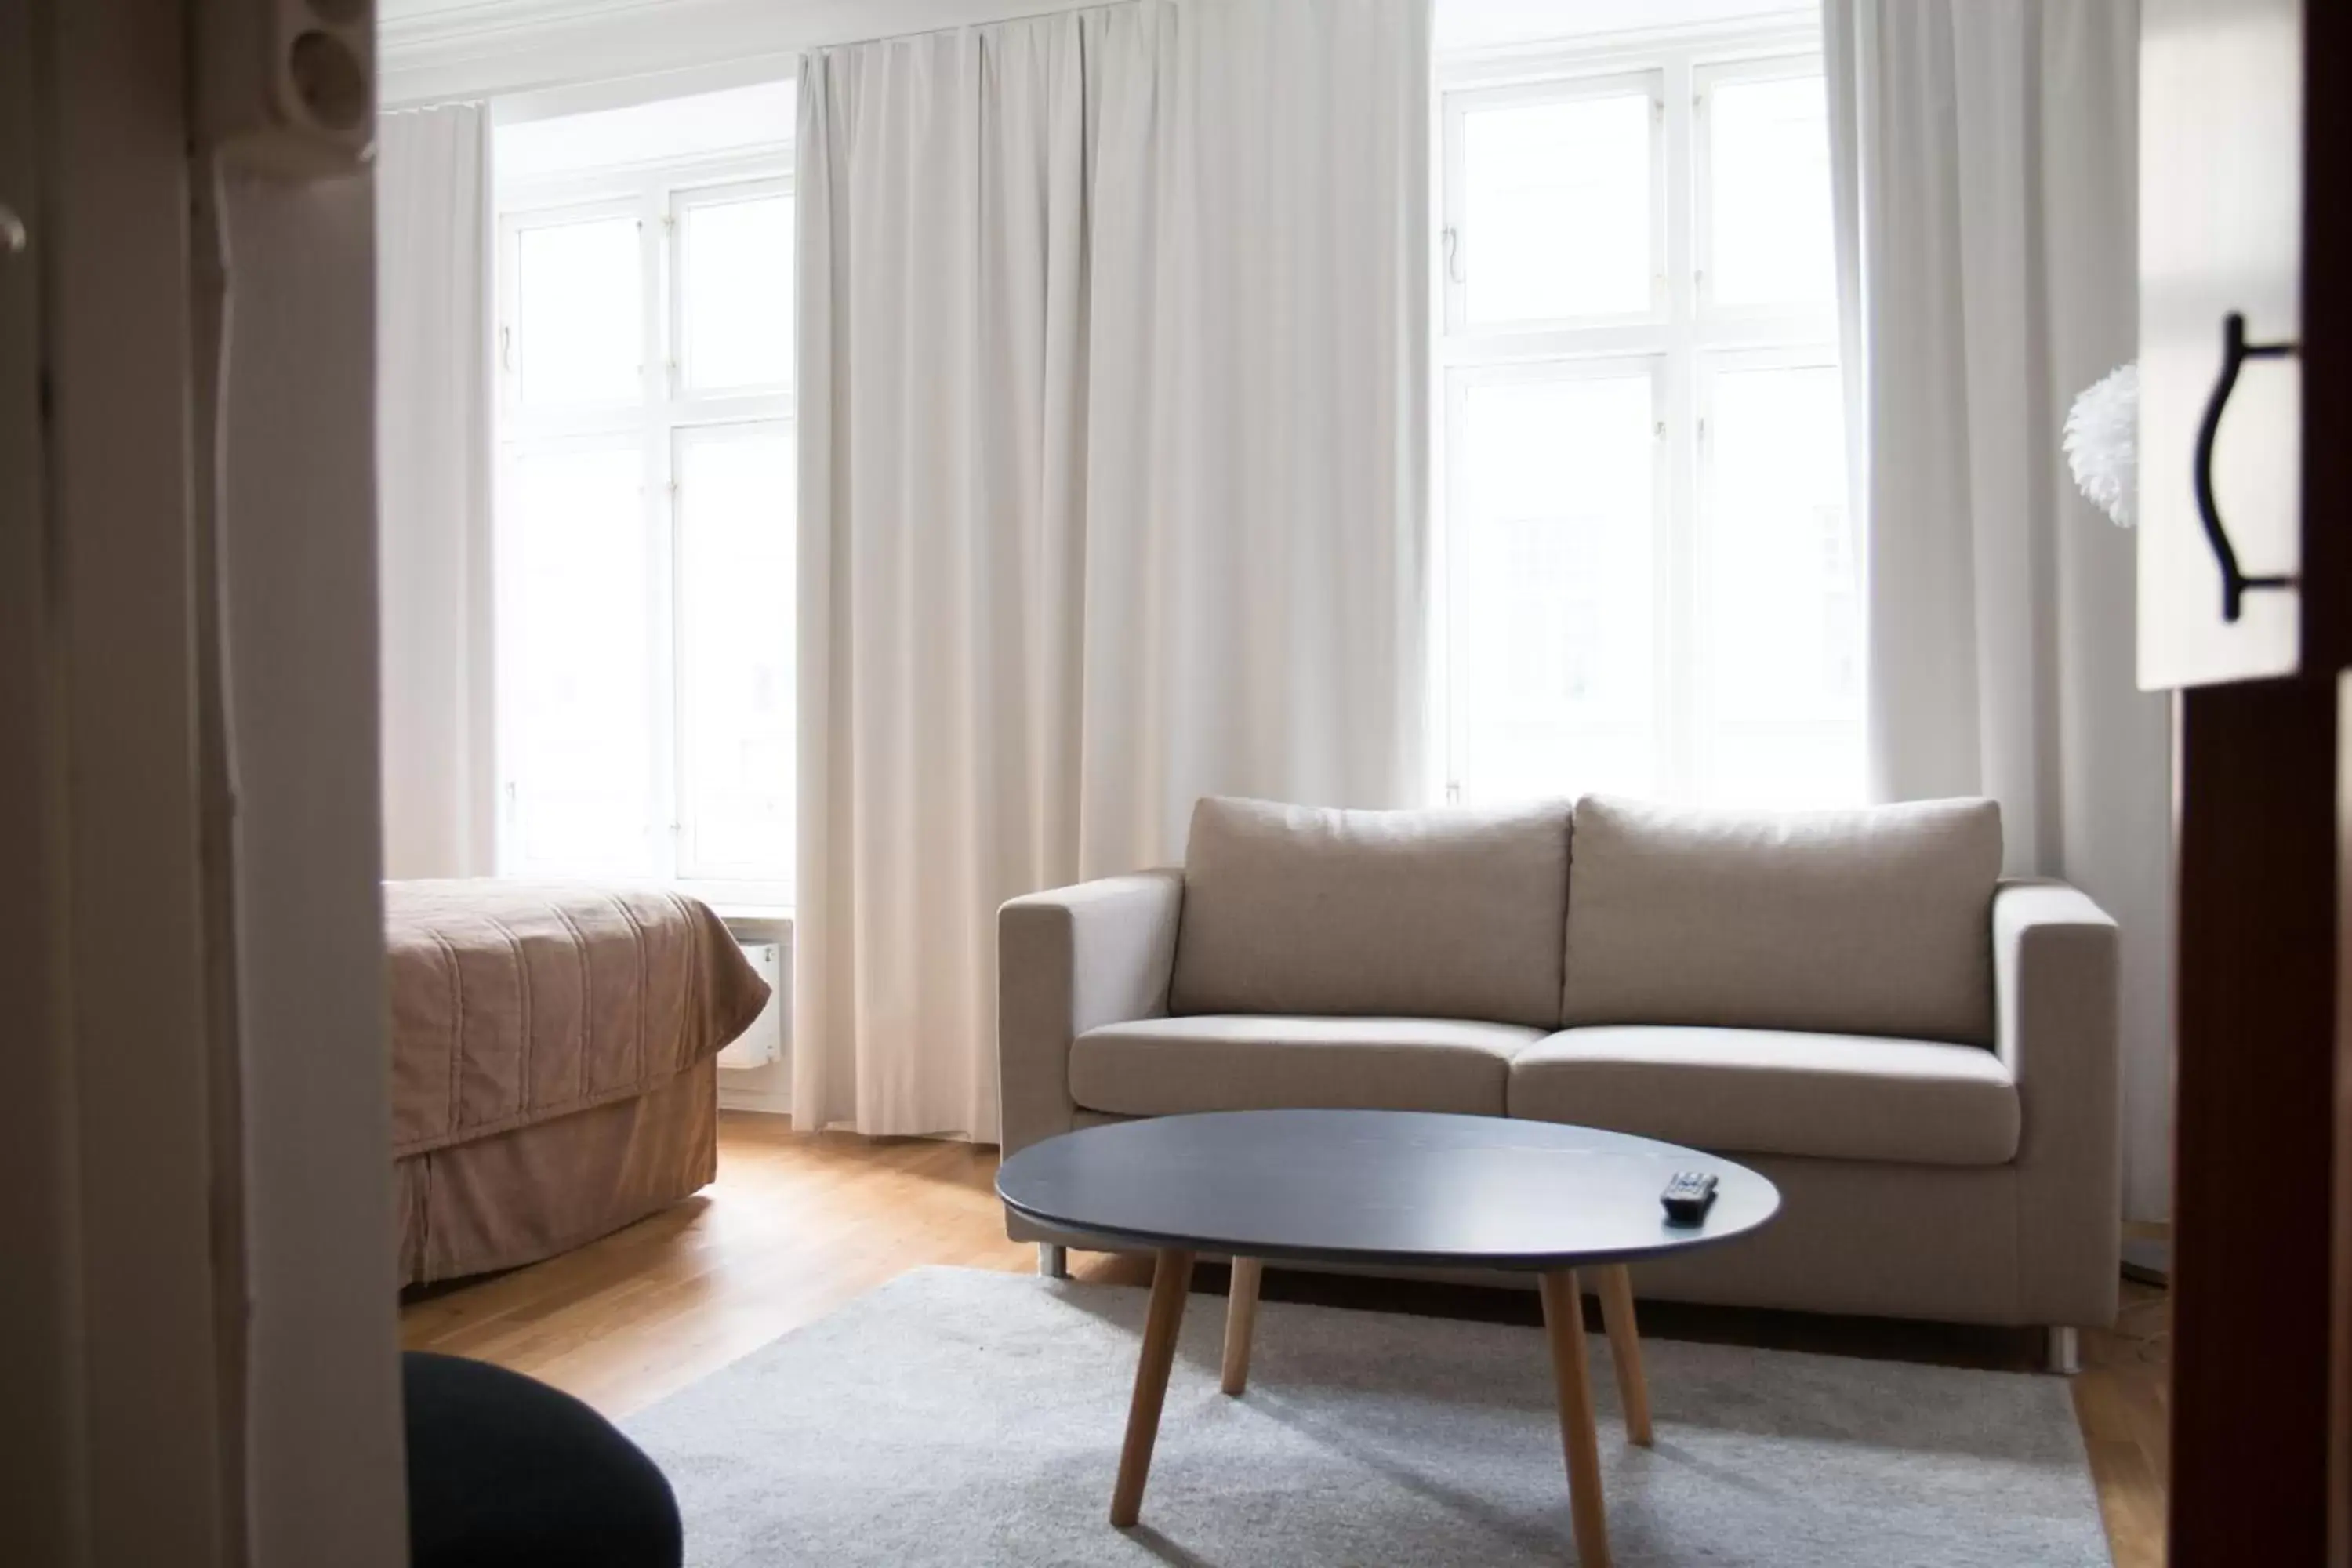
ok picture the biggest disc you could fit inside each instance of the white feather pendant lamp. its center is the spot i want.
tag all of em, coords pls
(2103, 440)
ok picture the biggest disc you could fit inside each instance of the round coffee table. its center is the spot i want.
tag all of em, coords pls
(1389, 1187)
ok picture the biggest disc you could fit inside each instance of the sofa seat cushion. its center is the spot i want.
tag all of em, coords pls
(1418, 914)
(1766, 1091)
(1164, 1067)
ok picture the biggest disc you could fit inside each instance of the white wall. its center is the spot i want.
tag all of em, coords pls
(438, 49)
(1487, 23)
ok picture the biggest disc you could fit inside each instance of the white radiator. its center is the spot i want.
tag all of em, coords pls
(764, 1043)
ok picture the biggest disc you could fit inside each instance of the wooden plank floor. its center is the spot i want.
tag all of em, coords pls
(797, 1224)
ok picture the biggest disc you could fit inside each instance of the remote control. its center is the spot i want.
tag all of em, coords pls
(1688, 1197)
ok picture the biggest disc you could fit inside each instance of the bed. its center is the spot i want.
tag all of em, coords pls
(551, 1072)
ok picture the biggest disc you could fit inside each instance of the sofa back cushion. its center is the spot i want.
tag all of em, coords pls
(1429, 914)
(1873, 921)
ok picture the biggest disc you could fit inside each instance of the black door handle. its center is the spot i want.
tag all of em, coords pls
(2235, 352)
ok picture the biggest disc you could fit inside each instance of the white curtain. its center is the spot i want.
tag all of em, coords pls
(434, 312)
(1986, 166)
(1114, 353)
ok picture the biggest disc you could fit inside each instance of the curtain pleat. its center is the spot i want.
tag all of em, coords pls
(1987, 161)
(1114, 439)
(433, 485)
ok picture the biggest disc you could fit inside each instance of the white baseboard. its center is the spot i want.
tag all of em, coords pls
(768, 1102)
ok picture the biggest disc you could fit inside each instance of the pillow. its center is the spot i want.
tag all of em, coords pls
(1874, 921)
(1421, 914)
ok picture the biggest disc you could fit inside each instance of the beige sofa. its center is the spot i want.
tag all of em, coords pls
(1920, 1054)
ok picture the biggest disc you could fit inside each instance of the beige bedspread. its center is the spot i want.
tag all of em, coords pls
(516, 1002)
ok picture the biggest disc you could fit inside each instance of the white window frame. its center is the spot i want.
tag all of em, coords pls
(657, 196)
(1689, 338)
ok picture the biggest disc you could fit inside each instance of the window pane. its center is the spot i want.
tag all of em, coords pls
(1781, 623)
(737, 267)
(1553, 567)
(1556, 210)
(579, 319)
(576, 721)
(1769, 152)
(735, 653)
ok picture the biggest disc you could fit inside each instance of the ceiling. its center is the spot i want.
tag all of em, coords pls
(458, 49)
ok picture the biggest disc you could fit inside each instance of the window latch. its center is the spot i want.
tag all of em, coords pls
(1453, 253)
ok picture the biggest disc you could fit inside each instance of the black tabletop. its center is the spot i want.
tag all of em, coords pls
(1377, 1186)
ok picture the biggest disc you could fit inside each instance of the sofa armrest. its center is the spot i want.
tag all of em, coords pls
(2056, 992)
(1069, 960)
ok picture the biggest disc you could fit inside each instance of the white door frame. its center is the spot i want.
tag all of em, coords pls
(198, 1327)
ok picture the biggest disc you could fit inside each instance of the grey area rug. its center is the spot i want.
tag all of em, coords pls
(957, 1416)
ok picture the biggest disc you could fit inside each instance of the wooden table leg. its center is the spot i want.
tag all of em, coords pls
(1171, 1276)
(1564, 1324)
(1241, 1321)
(1625, 1346)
